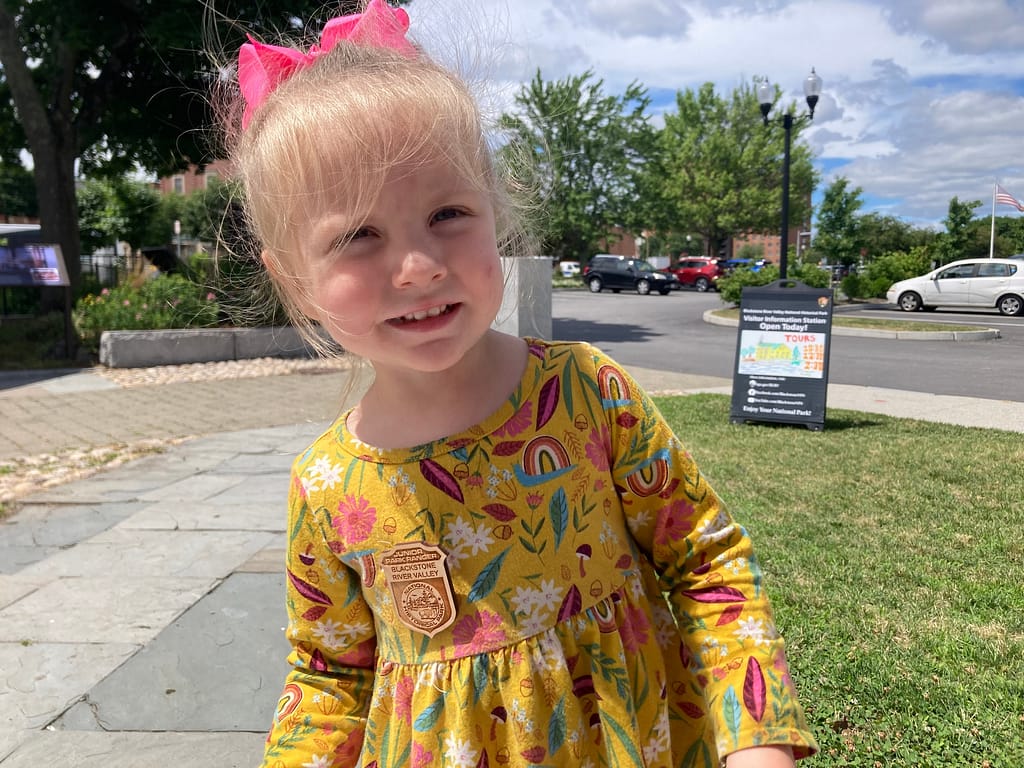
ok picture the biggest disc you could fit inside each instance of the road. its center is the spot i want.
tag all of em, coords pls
(668, 332)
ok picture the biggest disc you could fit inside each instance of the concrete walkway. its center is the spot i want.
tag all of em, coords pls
(141, 609)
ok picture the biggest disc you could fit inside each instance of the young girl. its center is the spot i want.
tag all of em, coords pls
(502, 555)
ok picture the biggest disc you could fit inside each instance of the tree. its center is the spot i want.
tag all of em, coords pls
(587, 149)
(838, 238)
(121, 210)
(881, 234)
(718, 169)
(955, 242)
(115, 83)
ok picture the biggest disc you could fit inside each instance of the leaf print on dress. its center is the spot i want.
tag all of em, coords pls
(308, 591)
(441, 478)
(754, 690)
(547, 401)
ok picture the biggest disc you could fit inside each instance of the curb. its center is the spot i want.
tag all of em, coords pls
(143, 349)
(873, 333)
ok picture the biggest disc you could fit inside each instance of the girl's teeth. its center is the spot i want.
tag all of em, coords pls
(423, 314)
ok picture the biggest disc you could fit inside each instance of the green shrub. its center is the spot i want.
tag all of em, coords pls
(886, 270)
(165, 301)
(731, 287)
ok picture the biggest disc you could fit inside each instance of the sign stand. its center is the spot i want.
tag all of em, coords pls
(782, 352)
(41, 265)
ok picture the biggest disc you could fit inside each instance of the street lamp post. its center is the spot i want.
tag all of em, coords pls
(766, 96)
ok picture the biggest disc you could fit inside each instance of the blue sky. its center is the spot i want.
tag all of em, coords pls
(922, 100)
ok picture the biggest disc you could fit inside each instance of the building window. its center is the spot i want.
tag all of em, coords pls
(179, 184)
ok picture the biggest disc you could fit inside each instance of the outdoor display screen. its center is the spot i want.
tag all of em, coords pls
(32, 264)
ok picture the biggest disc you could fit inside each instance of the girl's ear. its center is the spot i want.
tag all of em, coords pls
(289, 285)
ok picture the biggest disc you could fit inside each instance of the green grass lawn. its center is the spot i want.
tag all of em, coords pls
(894, 554)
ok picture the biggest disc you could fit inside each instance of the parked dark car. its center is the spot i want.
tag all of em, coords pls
(618, 272)
(700, 272)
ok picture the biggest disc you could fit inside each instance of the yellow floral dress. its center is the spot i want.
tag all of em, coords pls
(556, 586)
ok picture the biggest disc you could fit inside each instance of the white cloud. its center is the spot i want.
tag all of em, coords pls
(919, 95)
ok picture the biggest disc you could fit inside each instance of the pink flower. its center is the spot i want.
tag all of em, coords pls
(210, 297)
(674, 522)
(519, 421)
(403, 699)
(127, 303)
(634, 629)
(421, 758)
(355, 519)
(599, 448)
(477, 633)
(105, 292)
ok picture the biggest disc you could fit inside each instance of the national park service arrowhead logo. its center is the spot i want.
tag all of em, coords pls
(419, 583)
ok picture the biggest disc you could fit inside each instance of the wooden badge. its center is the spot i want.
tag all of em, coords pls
(419, 583)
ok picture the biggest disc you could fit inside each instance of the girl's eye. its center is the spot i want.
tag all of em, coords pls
(446, 214)
(351, 237)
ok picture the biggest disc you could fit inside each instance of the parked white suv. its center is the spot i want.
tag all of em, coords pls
(995, 283)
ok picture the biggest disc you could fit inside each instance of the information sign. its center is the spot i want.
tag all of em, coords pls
(782, 352)
(32, 264)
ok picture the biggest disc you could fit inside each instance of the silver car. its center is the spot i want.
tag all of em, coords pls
(995, 283)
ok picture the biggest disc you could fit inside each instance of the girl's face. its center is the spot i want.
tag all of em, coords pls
(415, 283)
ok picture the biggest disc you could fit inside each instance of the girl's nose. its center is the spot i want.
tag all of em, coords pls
(418, 266)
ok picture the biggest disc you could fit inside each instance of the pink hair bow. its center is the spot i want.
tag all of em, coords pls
(261, 68)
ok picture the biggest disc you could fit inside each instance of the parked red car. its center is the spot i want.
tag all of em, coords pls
(700, 272)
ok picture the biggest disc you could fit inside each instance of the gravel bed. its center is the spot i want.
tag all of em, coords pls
(23, 476)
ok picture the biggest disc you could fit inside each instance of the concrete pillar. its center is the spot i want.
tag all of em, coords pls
(526, 306)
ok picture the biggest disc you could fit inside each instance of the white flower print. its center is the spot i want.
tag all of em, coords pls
(641, 520)
(736, 565)
(480, 540)
(717, 529)
(324, 472)
(534, 623)
(753, 629)
(329, 633)
(458, 532)
(456, 554)
(522, 717)
(659, 739)
(524, 599)
(459, 752)
(353, 632)
(318, 761)
(548, 595)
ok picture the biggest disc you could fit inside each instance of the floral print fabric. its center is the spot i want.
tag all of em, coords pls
(556, 586)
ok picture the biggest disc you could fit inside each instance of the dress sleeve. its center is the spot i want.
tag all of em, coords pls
(321, 716)
(708, 571)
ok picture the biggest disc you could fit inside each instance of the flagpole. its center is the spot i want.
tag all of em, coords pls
(992, 237)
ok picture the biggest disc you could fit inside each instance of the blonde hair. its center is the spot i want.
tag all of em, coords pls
(333, 131)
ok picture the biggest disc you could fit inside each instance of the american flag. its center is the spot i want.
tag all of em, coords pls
(1004, 197)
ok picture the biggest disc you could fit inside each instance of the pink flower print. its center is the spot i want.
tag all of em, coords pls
(674, 522)
(519, 421)
(634, 629)
(355, 519)
(403, 699)
(599, 448)
(478, 633)
(421, 758)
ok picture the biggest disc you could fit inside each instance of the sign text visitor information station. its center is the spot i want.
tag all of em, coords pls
(782, 351)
